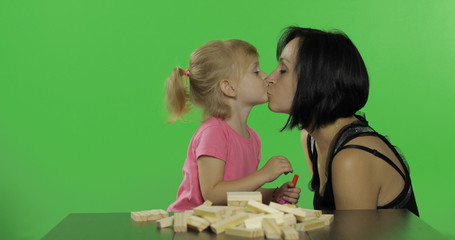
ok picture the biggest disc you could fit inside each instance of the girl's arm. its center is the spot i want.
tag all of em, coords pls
(214, 188)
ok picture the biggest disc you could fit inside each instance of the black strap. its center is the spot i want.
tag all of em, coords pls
(376, 153)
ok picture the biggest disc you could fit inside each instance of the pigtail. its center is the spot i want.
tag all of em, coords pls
(177, 98)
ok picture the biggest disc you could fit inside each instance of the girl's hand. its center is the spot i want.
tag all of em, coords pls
(275, 167)
(289, 193)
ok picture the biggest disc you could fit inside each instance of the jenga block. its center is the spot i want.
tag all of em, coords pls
(298, 214)
(254, 221)
(149, 215)
(197, 223)
(211, 219)
(257, 207)
(165, 222)
(310, 212)
(290, 233)
(327, 218)
(240, 199)
(289, 220)
(207, 203)
(277, 216)
(189, 213)
(271, 229)
(290, 205)
(310, 225)
(309, 219)
(180, 222)
(244, 232)
(214, 212)
(231, 221)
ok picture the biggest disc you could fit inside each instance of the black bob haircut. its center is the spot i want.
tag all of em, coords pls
(332, 77)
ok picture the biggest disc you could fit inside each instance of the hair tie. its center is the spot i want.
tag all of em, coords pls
(187, 73)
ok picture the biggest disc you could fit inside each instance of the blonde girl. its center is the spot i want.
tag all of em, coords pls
(225, 80)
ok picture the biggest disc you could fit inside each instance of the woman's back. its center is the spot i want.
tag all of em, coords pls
(390, 170)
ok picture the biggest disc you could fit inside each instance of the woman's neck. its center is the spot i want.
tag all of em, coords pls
(324, 136)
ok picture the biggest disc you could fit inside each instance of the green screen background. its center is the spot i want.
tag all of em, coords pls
(82, 120)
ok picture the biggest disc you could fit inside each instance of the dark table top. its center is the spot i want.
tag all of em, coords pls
(347, 224)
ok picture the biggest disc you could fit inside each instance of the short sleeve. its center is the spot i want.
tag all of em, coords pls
(257, 142)
(212, 142)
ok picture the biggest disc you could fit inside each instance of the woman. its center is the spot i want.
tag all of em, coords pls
(321, 82)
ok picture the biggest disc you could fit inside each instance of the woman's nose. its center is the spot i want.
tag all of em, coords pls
(270, 79)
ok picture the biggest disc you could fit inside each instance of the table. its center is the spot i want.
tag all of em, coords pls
(347, 224)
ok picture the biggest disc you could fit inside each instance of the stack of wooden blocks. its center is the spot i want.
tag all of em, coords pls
(245, 216)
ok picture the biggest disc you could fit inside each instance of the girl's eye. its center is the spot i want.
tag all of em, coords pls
(282, 71)
(257, 72)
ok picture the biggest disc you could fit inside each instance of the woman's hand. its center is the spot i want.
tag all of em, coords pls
(275, 167)
(289, 193)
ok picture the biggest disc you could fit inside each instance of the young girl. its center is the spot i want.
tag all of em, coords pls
(226, 82)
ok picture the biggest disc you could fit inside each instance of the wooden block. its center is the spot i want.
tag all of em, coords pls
(240, 199)
(244, 232)
(211, 219)
(189, 213)
(207, 203)
(277, 216)
(180, 222)
(290, 233)
(310, 212)
(289, 220)
(257, 207)
(197, 223)
(271, 229)
(310, 225)
(165, 222)
(231, 221)
(327, 218)
(149, 215)
(298, 214)
(254, 221)
(209, 211)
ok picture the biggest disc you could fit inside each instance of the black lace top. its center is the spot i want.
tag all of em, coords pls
(405, 199)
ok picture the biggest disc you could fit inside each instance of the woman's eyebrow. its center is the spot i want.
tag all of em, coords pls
(282, 59)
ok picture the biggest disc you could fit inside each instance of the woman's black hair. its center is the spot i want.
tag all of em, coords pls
(332, 77)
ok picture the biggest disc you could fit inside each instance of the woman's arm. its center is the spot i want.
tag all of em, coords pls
(304, 137)
(214, 188)
(354, 179)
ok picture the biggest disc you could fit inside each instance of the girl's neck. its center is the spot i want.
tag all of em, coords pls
(325, 135)
(238, 120)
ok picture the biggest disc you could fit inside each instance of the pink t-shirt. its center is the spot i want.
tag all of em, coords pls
(215, 138)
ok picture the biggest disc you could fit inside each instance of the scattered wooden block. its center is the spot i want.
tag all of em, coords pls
(327, 218)
(244, 232)
(231, 221)
(209, 211)
(189, 213)
(149, 215)
(180, 222)
(290, 233)
(298, 214)
(310, 212)
(165, 222)
(257, 207)
(271, 229)
(197, 223)
(289, 220)
(211, 219)
(240, 199)
(254, 221)
(207, 203)
(310, 225)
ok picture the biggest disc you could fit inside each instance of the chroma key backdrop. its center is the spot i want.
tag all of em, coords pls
(82, 118)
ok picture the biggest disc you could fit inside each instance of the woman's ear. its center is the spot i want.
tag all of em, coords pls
(228, 88)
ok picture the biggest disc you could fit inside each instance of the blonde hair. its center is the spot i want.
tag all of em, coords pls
(209, 65)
